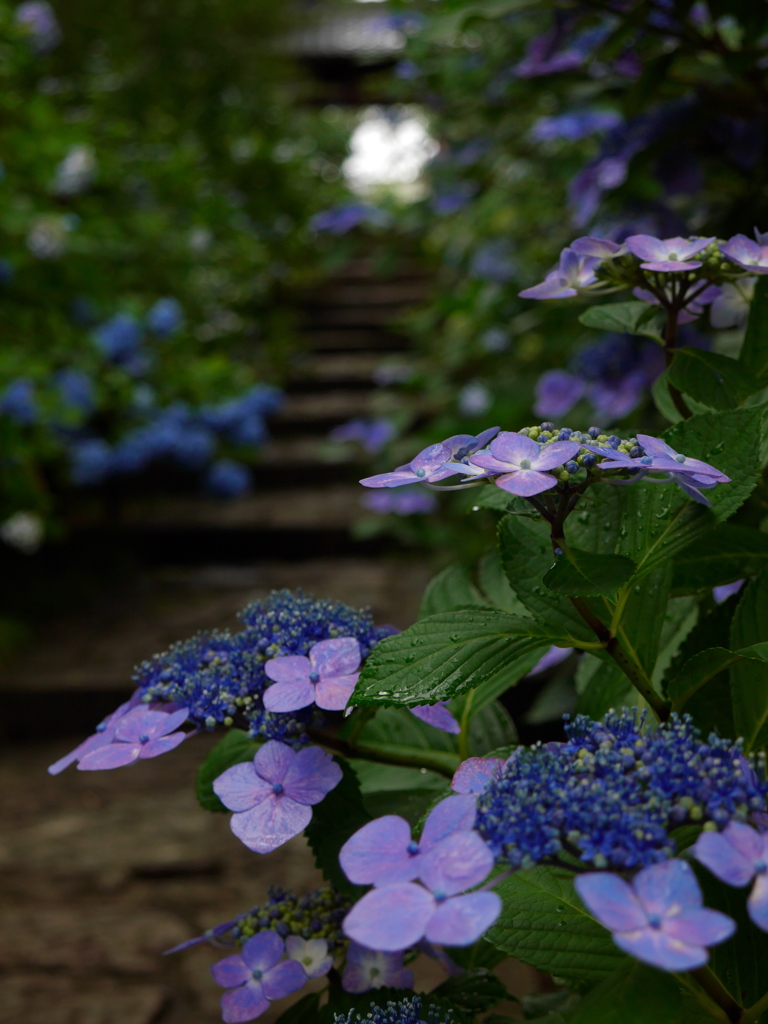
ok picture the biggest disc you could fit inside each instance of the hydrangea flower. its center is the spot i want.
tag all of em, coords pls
(600, 248)
(407, 1011)
(104, 734)
(736, 856)
(434, 463)
(659, 918)
(316, 915)
(139, 734)
(403, 501)
(474, 774)
(255, 977)
(731, 307)
(19, 402)
(438, 716)
(165, 317)
(721, 594)
(312, 954)
(573, 273)
(394, 917)
(272, 795)
(371, 434)
(522, 463)
(326, 678)
(383, 851)
(370, 968)
(667, 255)
(745, 253)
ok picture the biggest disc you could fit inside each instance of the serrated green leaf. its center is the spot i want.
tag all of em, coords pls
(730, 553)
(445, 655)
(712, 379)
(450, 589)
(234, 748)
(704, 666)
(495, 585)
(624, 318)
(334, 820)
(578, 573)
(754, 351)
(601, 686)
(474, 991)
(544, 924)
(641, 995)
(663, 400)
(749, 681)
(594, 524)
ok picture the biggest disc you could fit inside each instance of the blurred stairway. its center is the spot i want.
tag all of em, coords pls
(201, 560)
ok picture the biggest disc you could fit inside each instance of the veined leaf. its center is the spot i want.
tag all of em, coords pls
(334, 820)
(730, 553)
(450, 589)
(712, 379)
(704, 666)
(578, 573)
(641, 995)
(749, 680)
(625, 318)
(754, 351)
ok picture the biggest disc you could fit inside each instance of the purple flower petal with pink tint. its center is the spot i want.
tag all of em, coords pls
(272, 795)
(138, 734)
(434, 463)
(259, 974)
(573, 273)
(659, 918)
(438, 716)
(746, 254)
(600, 248)
(722, 593)
(736, 856)
(474, 774)
(462, 920)
(383, 852)
(556, 393)
(326, 678)
(104, 734)
(553, 657)
(391, 918)
(522, 462)
(668, 254)
(370, 968)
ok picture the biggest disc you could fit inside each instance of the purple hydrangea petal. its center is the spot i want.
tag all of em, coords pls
(655, 447)
(509, 448)
(273, 760)
(462, 920)
(262, 951)
(368, 968)
(611, 900)
(654, 947)
(748, 842)
(311, 776)
(646, 247)
(141, 722)
(557, 392)
(438, 716)
(474, 774)
(337, 657)
(288, 669)
(243, 1004)
(691, 491)
(714, 851)
(552, 288)
(741, 249)
(271, 823)
(671, 884)
(239, 788)
(601, 248)
(230, 971)
(99, 739)
(485, 436)
(699, 927)
(453, 814)
(757, 903)
(162, 745)
(391, 918)
(289, 696)
(396, 479)
(431, 458)
(553, 455)
(333, 694)
(553, 657)
(456, 864)
(485, 460)
(377, 853)
(722, 593)
(286, 977)
(526, 482)
(671, 266)
(115, 755)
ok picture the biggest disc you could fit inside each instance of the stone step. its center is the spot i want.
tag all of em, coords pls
(323, 409)
(372, 315)
(320, 338)
(332, 369)
(367, 292)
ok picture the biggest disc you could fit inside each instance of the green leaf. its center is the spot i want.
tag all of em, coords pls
(302, 1011)
(704, 666)
(679, 620)
(526, 554)
(481, 954)
(445, 655)
(659, 521)
(578, 573)
(390, 789)
(543, 923)
(495, 585)
(601, 686)
(475, 991)
(663, 400)
(645, 616)
(625, 318)
(712, 379)
(234, 748)
(493, 497)
(749, 681)
(730, 553)
(490, 727)
(641, 995)
(754, 351)
(398, 735)
(594, 524)
(334, 820)
(450, 589)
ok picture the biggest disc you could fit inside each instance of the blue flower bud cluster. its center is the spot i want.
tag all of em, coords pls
(407, 1011)
(548, 433)
(614, 792)
(219, 676)
(317, 915)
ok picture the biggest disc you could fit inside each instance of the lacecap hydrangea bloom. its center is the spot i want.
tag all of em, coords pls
(407, 1011)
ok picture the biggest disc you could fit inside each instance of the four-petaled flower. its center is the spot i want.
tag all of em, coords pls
(370, 968)
(104, 734)
(659, 918)
(383, 852)
(397, 916)
(438, 716)
(312, 954)
(138, 734)
(256, 977)
(667, 255)
(573, 272)
(272, 795)
(747, 254)
(435, 463)
(523, 462)
(326, 678)
(736, 856)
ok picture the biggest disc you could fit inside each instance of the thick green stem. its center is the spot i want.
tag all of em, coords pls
(719, 995)
(440, 761)
(465, 722)
(752, 1014)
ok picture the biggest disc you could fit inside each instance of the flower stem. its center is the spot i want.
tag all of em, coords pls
(752, 1014)
(465, 721)
(714, 988)
(442, 761)
(670, 338)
